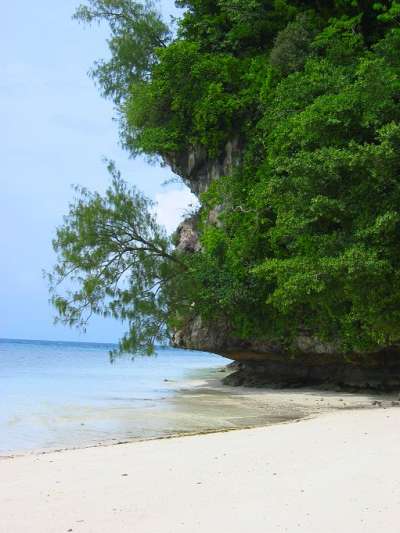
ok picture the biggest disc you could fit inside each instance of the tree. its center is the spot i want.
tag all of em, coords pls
(137, 31)
(292, 45)
(113, 259)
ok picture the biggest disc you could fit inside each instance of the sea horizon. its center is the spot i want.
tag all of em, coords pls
(24, 340)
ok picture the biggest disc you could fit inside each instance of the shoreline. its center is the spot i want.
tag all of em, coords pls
(107, 444)
(285, 477)
(293, 405)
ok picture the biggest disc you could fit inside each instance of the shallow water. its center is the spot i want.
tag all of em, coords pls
(61, 395)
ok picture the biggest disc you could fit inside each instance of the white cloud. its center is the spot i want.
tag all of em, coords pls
(172, 206)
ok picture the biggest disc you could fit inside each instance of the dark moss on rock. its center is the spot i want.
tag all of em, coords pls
(377, 372)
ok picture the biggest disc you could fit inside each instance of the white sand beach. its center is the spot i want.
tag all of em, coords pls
(336, 473)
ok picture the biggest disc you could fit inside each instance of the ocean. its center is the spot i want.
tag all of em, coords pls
(56, 395)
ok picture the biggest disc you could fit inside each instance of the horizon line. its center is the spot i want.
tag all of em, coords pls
(7, 339)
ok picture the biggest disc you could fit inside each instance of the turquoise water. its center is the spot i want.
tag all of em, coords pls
(61, 394)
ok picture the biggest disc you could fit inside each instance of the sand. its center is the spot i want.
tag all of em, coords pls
(337, 472)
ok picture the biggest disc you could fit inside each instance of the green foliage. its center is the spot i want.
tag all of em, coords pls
(174, 93)
(137, 31)
(342, 40)
(234, 25)
(292, 45)
(308, 226)
(328, 192)
(390, 11)
(191, 98)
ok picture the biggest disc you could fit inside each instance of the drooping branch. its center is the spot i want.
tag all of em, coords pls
(114, 259)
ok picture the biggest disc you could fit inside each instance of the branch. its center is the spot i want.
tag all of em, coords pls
(121, 15)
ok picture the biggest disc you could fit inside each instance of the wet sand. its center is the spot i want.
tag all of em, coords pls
(208, 404)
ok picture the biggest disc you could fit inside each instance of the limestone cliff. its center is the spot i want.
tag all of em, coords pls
(308, 361)
(198, 171)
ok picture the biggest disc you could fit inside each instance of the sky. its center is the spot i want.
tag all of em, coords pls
(55, 131)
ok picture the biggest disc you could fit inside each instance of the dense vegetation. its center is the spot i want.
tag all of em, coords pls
(308, 239)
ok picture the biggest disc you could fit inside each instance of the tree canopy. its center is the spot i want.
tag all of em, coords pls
(308, 236)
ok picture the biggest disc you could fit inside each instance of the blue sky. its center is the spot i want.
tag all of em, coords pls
(55, 129)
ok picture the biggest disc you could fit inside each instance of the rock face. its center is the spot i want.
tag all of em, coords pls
(197, 170)
(196, 335)
(262, 363)
(265, 364)
(217, 338)
(187, 236)
(376, 372)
